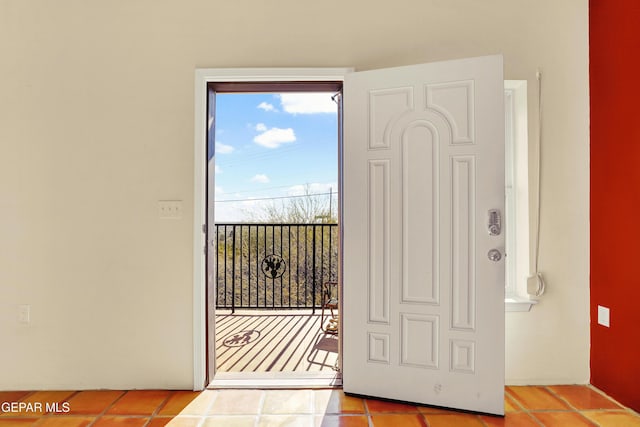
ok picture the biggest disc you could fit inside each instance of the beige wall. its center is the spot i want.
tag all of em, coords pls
(96, 126)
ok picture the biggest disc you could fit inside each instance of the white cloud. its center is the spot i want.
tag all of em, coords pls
(314, 188)
(218, 170)
(275, 137)
(266, 106)
(261, 127)
(260, 178)
(308, 103)
(223, 148)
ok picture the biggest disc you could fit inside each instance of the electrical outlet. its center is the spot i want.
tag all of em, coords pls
(170, 209)
(24, 313)
(604, 316)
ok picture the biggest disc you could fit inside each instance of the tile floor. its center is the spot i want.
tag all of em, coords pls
(525, 406)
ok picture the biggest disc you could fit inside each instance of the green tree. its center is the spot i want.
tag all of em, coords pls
(309, 208)
(304, 233)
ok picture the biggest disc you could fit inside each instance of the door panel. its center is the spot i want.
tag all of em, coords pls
(423, 164)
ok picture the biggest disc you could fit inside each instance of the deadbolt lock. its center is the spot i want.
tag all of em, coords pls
(494, 222)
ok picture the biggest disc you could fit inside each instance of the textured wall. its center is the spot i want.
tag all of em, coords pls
(96, 126)
(615, 197)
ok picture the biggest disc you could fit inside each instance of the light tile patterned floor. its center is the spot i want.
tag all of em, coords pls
(525, 406)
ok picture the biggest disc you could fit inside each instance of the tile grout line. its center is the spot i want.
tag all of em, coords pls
(565, 400)
(203, 418)
(46, 415)
(256, 416)
(525, 409)
(263, 397)
(42, 419)
(484, 424)
(428, 423)
(603, 394)
(104, 411)
(27, 394)
(124, 393)
(159, 407)
(367, 412)
(299, 413)
(622, 407)
(561, 398)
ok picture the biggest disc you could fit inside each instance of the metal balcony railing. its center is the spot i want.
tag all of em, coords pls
(274, 266)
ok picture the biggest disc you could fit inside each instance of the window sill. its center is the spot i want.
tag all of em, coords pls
(513, 304)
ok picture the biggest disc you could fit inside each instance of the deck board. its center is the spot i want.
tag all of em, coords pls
(273, 341)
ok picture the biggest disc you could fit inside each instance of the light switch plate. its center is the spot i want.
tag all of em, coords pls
(24, 313)
(603, 316)
(170, 209)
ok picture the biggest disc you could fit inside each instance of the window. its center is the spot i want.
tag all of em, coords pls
(516, 196)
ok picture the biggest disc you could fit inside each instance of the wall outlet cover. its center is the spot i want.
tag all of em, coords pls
(604, 316)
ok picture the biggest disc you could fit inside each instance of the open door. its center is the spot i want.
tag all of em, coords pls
(423, 244)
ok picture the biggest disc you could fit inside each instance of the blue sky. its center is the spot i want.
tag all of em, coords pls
(272, 145)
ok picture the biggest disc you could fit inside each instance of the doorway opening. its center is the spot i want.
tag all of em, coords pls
(424, 281)
(273, 209)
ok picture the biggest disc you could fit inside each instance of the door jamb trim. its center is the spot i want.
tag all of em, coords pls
(203, 76)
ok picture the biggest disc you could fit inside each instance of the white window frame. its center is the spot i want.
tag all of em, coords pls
(516, 196)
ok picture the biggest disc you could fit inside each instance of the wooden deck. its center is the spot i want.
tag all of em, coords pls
(273, 341)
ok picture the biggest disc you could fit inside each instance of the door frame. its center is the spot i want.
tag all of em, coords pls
(202, 372)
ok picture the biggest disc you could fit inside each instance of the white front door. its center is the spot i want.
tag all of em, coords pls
(423, 301)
